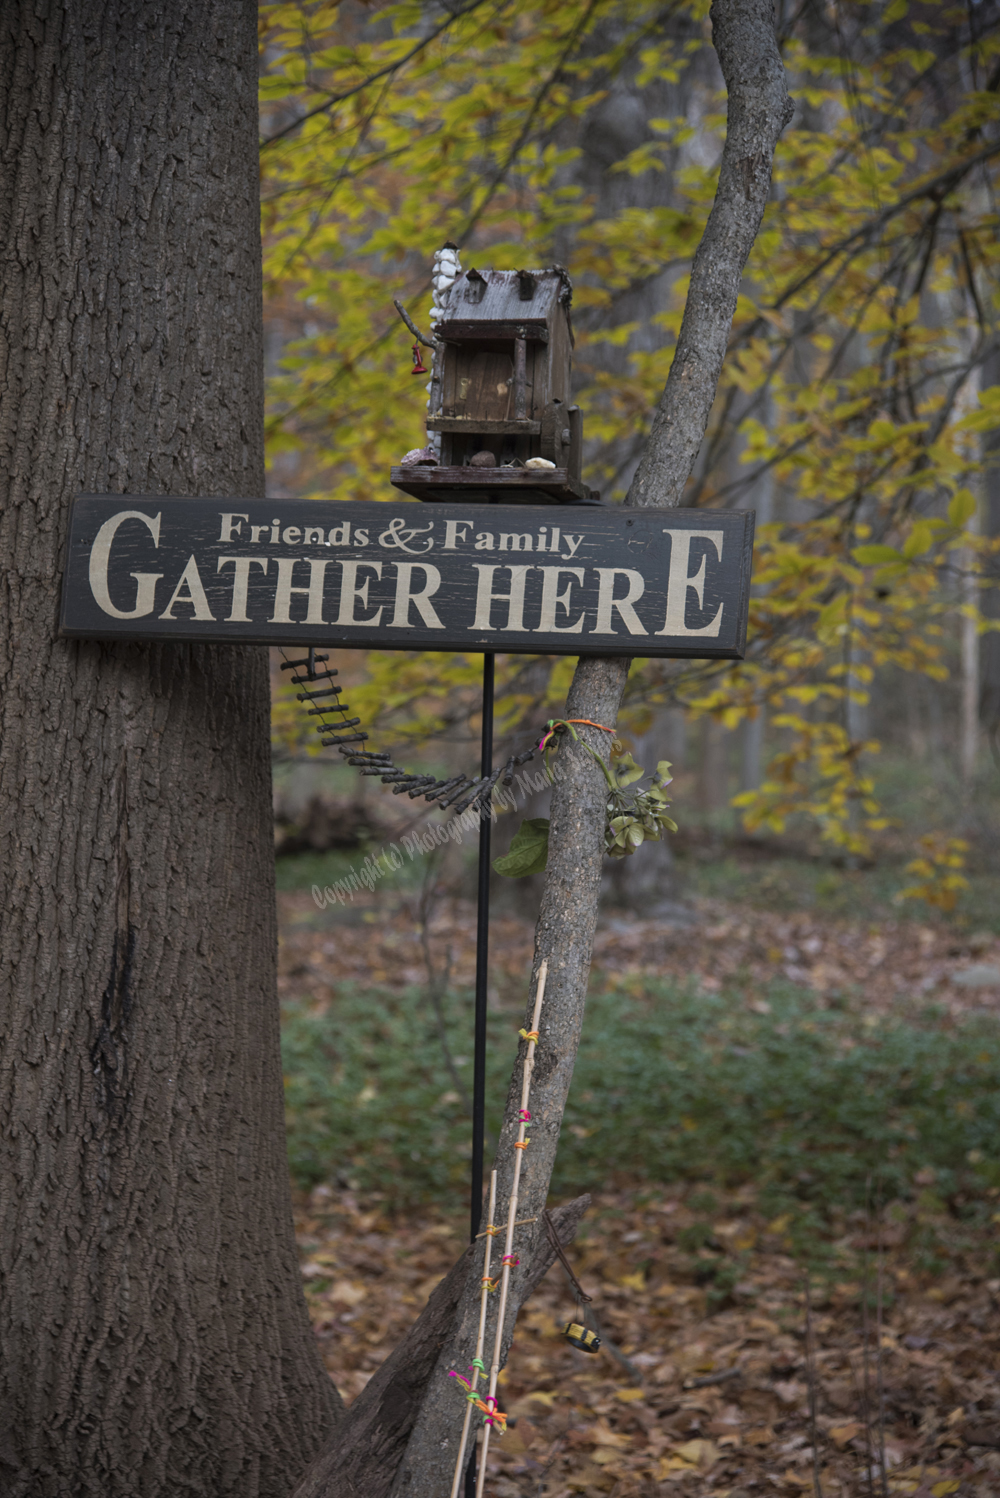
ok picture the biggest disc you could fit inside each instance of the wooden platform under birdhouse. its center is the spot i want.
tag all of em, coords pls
(509, 486)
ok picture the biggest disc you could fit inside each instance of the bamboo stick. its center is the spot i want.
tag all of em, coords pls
(481, 1339)
(519, 1147)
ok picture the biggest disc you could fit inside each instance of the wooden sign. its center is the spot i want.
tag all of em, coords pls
(408, 576)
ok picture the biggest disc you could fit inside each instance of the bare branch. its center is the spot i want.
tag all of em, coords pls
(427, 342)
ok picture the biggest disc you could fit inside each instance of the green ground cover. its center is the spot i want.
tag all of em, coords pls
(809, 1104)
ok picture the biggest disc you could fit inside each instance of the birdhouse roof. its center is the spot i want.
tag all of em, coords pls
(508, 297)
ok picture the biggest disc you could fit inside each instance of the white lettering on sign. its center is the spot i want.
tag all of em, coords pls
(573, 543)
(678, 582)
(552, 598)
(485, 597)
(606, 601)
(421, 601)
(351, 592)
(241, 581)
(284, 590)
(100, 556)
(517, 543)
(455, 531)
(190, 579)
(400, 535)
(228, 526)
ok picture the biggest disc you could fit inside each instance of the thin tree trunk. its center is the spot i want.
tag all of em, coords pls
(759, 108)
(969, 726)
(989, 703)
(153, 1334)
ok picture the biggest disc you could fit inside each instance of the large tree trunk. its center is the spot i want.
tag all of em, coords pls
(153, 1334)
(759, 108)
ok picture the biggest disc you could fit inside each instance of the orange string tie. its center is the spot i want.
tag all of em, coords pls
(529, 1035)
(521, 1144)
(553, 726)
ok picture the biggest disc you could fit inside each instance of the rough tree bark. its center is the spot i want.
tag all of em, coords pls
(758, 110)
(153, 1334)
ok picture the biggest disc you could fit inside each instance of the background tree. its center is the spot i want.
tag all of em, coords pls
(153, 1337)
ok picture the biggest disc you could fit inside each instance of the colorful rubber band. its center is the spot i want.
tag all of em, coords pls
(491, 1415)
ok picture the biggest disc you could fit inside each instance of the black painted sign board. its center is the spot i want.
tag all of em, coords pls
(409, 576)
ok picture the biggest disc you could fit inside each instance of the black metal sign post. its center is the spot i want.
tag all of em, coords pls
(482, 963)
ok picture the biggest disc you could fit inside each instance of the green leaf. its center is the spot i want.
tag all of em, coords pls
(663, 774)
(627, 771)
(870, 556)
(962, 508)
(919, 540)
(528, 852)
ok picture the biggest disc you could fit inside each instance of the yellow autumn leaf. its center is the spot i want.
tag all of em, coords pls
(698, 1453)
(636, 1281)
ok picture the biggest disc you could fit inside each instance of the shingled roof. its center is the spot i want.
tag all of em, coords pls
(507, 296)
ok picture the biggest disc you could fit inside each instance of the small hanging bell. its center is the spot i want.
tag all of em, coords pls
(418, 367)
(581, 1336)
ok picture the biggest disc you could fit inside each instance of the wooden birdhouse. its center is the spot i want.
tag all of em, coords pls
(500, 395)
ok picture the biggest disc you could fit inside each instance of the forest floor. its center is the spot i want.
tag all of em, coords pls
(892, 1382)
(709, 941)
(716, 1400)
